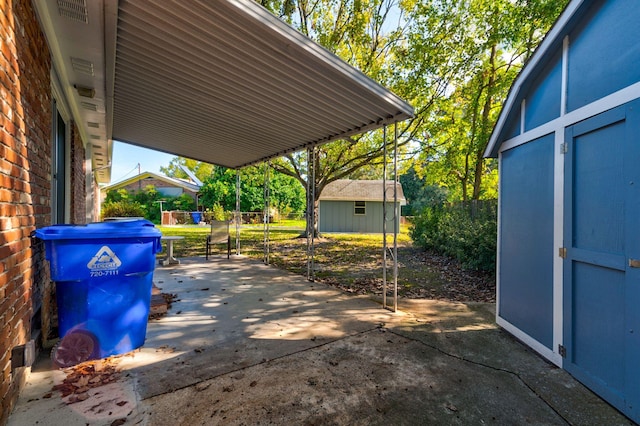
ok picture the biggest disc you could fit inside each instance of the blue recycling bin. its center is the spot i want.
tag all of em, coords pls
(103, 274)
(197, 217)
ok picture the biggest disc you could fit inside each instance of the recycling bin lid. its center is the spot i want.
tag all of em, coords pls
(134, 228)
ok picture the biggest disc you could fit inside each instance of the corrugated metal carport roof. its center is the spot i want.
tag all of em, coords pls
(228, 83)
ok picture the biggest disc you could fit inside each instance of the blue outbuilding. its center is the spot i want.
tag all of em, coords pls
(568, 142)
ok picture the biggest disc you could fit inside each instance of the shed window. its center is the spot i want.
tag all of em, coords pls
(359, 207)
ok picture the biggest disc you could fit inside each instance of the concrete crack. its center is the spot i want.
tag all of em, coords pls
(480, 364)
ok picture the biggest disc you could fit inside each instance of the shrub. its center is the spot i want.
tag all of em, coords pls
(467, 233)
(122, 209)
(218, 213)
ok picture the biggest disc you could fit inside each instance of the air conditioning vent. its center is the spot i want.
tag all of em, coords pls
(76, 10)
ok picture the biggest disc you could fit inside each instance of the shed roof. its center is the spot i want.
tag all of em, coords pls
(572, 15)
(360, 190)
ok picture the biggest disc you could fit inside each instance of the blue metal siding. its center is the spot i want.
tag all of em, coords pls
(598, 197)
(513, 124)
(526, 238)
(543, 101)
(598, 324)
(604, 53)
(602, 233)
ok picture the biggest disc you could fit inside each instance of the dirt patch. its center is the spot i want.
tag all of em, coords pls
(456, 283)
(357, 269)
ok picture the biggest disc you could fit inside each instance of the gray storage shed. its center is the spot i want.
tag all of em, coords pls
(568, 142)
(357, 206)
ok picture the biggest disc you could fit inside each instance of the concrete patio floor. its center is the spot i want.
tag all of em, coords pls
(248, 344)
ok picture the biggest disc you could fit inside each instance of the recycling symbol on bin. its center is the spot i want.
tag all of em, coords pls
(105, 259)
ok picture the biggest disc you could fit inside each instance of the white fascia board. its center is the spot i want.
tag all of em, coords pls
(539, 56)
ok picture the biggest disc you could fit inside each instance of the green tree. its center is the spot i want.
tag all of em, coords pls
(487, 43)
(367, 34)
(453, 60)
(219, 188)
(177, 164)
(419, 194)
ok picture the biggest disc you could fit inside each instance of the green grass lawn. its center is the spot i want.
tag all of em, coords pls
(343, 258)
(284, 234)
(352, 262)
(251, 237)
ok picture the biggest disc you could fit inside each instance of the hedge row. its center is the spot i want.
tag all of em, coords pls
(464, 231)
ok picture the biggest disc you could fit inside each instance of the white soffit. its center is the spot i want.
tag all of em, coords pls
(228, 83)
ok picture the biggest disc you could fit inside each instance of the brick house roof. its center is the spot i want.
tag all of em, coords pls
(186, 185)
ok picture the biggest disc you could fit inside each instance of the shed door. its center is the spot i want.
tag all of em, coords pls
(602, 237)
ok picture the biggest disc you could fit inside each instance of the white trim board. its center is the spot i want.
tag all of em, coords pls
(536, 59)
(558, 241)
(529, 341)
(611, 101)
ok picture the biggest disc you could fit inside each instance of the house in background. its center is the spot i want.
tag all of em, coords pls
(357, 206)
(167, 186)
(568, 142)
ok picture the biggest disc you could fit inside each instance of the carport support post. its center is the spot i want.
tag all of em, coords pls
(394, 253)
(238, 215)
(384, 216)
(396, 216)
(265, 218)
(311, 189)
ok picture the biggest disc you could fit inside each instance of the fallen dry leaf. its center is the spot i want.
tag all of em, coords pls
(83, 377)
(82, 382)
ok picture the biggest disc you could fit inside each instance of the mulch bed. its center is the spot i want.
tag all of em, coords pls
(460, 285)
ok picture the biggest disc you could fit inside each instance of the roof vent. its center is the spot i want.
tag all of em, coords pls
(76, 10)
(89, 106)
(82, 66)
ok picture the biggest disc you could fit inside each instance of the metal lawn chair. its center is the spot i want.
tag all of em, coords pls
(219, 235)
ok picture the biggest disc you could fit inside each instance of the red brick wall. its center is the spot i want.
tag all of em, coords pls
(78, 183)
(25, 183)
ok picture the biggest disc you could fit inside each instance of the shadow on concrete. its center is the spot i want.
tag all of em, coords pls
(246, 343)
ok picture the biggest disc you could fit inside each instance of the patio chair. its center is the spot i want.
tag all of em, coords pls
(219, 234)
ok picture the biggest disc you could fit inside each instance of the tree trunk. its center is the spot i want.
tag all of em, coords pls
(313, 204)
(485, 127)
